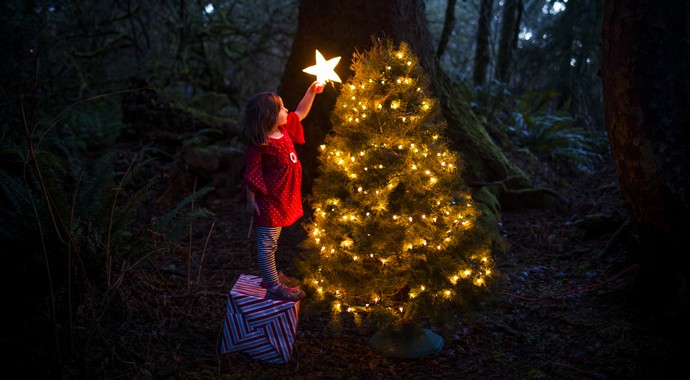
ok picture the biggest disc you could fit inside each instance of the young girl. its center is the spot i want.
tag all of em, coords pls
(273, 177)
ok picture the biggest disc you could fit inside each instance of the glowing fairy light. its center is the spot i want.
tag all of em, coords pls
(391, 124)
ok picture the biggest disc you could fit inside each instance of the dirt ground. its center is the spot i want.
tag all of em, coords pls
(560, 308)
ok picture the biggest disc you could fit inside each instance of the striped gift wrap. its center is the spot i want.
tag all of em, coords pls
(264, 329)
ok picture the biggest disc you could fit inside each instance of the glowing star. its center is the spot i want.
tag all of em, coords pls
(324, 69)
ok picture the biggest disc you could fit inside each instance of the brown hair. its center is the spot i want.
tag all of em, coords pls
(260, 116)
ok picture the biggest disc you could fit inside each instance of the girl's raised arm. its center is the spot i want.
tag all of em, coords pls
(304, 105)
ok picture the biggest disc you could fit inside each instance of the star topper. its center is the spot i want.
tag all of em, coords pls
(324, 69)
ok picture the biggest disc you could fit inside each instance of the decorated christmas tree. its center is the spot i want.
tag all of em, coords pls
(394, 232)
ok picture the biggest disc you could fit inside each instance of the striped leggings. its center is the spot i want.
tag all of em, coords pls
(266, 245)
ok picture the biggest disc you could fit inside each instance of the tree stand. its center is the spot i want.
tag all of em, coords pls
(410, 344)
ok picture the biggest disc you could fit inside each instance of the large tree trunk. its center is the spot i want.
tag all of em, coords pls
(504, 56)
(481, 51)
(339, 28)
(645, 57)
(448, 26)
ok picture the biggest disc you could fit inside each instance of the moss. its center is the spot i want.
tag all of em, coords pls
(487, 201)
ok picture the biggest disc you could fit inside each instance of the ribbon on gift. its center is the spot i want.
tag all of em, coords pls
(263, 328)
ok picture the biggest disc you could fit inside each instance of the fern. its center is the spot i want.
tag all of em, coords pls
(15, 207)
(531, 123)
(174, 224)
(552, 133)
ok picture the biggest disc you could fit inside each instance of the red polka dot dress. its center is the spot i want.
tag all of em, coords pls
(274, 173)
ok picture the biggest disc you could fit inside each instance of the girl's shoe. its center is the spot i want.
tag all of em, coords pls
(281, 292)
(283, 279)
(287, 280)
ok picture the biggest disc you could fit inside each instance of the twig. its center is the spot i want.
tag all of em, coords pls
(189, 252)
(201, 261)
(108, 256)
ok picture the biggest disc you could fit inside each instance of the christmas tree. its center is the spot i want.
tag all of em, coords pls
(394, 232)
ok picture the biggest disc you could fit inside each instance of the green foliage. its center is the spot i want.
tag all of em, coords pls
(15, 207)
(174, 223)
(531, 122)
(191, 47)
(94, 127)
(67, 209)
(74, 205)
(211, 108)
(74, 221)
(554, 136)
(563, 53)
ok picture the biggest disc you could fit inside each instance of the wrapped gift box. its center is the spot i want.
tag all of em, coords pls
(263, 328)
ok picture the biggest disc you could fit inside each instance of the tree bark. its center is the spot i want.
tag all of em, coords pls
(481, 51)
(448, 26)
(504, 56)
(339, 28)
(645, 55)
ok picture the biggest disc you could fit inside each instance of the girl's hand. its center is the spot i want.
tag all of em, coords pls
(318, 87)
(252, 209)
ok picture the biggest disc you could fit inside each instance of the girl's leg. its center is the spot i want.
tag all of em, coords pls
(267, 244)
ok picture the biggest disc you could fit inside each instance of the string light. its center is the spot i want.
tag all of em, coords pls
(402, 164)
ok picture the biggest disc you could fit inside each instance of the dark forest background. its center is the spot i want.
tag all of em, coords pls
(119, 141)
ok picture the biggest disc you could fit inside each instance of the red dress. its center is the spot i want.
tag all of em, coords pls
(274, 173)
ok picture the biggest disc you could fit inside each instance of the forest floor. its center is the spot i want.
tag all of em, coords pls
(559, 308)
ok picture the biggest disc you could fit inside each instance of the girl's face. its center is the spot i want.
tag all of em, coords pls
(282, 114)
